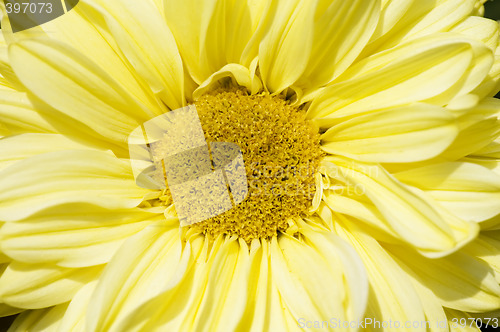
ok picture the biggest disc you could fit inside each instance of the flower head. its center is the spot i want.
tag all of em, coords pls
(387, 105)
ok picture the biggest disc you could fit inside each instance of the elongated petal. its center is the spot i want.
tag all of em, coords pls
(479, 126)
(148, 263)
(460, 321)
(19, 147)
(435, 68)
(421, 18)
(433, 310)
(318, 291)
(143, 36)
(74, 317)
(410, 214)
(9, 79)
(341, 31)
(53, 71)
(491, 150)
(41, 320)
(264, 310)
(7, 310)
(285, 50)
(225, 298)
(406, 134)
(212, 34)
(32, 286)
(64, 177)
(390, 14)
(363, 211)
(391, 292)
(481, 29)
(82, 33)
(470, 191)
(487, 247)
(73, 235)
(226, 33)
(460, 281)
(356, 281)
(18, 115)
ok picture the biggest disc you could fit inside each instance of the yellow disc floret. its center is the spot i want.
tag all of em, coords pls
(281, 151)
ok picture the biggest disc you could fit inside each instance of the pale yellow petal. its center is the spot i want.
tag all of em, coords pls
(225, 298)
(19, 147)
(7, 310)
(79, 88)
(434, 311)
(339, 253)
(481, 29)
(18, 114)
(406, 211)
(211, 34)
(80, 32)
(42, 320)
(460, 281)
(72, 235)
(82, 176)
(434, 69)
(459, 321)
(390, 14)
(341, 31)
(74, 317)
(264, 311)
(487, 247)
(285, 49)
(240, 74)
(479, 126)
(184, 19)
(143, 36)
(38, 286)
(334, 281)
(9, 79)
(492, 150)
(364, 211)
(148, 263)
(391, 293)
(470, 191)
(227, 31)
(405, 134)
(422, 18)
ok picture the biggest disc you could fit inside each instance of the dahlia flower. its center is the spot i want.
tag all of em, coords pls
(370, 140)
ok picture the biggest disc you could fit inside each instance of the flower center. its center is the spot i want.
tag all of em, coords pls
(281, 152)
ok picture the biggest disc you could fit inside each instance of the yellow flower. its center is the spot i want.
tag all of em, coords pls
(403, 228)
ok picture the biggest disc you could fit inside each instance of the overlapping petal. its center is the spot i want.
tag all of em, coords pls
(73, 176)
(206, 35)
(36, 286)
(19, 147)
(404, 210)
(404, 134)
(391, 293)
(52, 71)
(319, 277)
(311, 43)
(417, 18)
(145, 40)
(17, 114)
(72, 235)
(41, 320)
(470, 191)
(149, 263)
(460, 281)
(435, 69)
